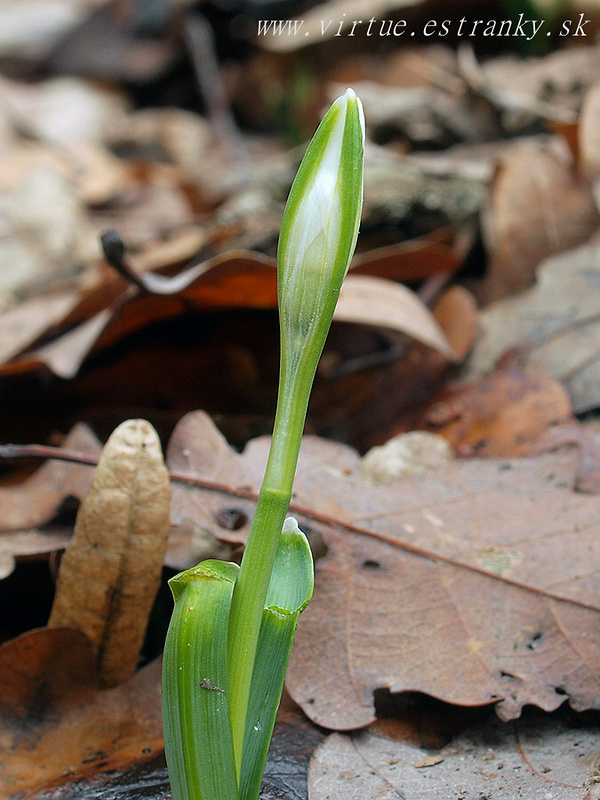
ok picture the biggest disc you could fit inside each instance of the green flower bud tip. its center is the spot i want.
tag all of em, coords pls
(320, 227)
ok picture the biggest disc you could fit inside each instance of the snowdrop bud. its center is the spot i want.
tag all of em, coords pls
(320, 228)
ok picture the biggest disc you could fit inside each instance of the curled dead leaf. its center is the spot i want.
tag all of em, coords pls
(111, 570)
(376, 301)
(413, 260)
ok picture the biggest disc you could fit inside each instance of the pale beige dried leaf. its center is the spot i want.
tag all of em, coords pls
(111, 571)
(558, 78)
(538, 758)
(64, 109)
(539, 206)
(22, 324)
(376, 301)
(65, 354)
(180, 134)
(29, 543)
(99, 176)
(556, 323)
(31, 28)
(181, 246)
(47, 235)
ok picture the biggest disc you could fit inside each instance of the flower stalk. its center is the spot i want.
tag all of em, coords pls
(317, 242)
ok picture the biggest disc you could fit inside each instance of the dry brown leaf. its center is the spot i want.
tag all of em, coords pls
(518, 106)
(556, 81)
(99, 176)
(509, 413)
(457, 314)
(414, 260)
(376, 301)
(539, 206)
(111, 570)
(154, 208)
(65, 355)
(555, 327)
(56, 725)
(503, 414)
(106, 46)
(476, 585)
(417, 572)
(588, 442)
(178, 248)
(64, 109)
(47, 234)
(112, 310)
(35, 501)
(20, 544)
(538, 758)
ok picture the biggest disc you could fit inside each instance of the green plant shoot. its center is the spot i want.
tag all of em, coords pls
(220, 697)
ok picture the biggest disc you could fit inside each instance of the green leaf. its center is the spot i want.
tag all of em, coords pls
(196, 719)
(290, 589)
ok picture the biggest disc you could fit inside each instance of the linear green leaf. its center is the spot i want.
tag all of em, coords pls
(196, 718)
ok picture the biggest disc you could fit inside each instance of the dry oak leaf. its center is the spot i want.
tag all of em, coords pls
(477, 584)
(111, 570)
(56, 725)
(22, 324)
(376, 301)
(537, 758)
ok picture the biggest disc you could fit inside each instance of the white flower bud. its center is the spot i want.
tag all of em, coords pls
(320, 228)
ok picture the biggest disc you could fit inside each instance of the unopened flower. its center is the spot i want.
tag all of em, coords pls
(320, 228)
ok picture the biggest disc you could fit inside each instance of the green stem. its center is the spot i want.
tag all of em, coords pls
(259, 556)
